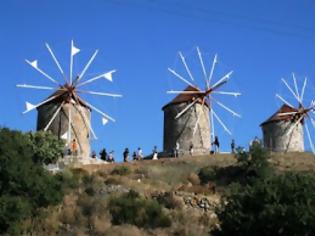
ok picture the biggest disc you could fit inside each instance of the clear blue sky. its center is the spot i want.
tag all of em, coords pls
(261, 41)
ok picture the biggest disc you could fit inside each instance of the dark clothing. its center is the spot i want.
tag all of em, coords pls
(103, 154)
(125, 155)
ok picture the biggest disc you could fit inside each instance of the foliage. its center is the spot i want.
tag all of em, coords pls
(121, 170)
(133, 209)
(254, 164)
(207, 174)
(24, 185)
(47, 148)
(279, 205)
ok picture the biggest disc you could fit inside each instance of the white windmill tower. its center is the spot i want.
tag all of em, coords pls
(284, 130)
(189, 118)
(64, 112)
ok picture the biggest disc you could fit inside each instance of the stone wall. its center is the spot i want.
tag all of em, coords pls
(276, 138)
(181, 130)
(59, 126)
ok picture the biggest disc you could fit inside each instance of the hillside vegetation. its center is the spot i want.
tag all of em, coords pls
(218, 194)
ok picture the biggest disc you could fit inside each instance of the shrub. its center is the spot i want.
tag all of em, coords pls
(169, 200)
(121, 170)
(279, 205)
(133, 209)
(207, 174)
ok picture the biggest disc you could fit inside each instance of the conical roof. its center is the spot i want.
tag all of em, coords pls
(63, 94)
(276, 118)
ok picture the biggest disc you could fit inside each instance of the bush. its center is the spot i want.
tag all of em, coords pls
(121, 170)
(207, 174)
(280, 205)
(131, 208)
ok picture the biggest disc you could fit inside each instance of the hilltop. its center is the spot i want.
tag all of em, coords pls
(186, 202)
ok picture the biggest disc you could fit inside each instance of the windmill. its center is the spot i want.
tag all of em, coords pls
(64, 112)
(284, 131)
(189, 118)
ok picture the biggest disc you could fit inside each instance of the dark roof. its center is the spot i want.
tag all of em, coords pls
(63, 96)
(276, 118)
(184, 98)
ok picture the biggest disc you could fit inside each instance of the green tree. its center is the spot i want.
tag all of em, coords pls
(47, 148)
(25, 186)
(279, 205)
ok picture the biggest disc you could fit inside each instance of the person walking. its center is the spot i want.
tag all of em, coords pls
(126, 155)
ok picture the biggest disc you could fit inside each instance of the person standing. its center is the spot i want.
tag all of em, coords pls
(103, 154)
(134, 156)
(139, 153)
(191, 149)
(233, 146)
(176, 150)
(126, 155)
(216, 144)
(74, 147)
(111, 157)
(155, 153)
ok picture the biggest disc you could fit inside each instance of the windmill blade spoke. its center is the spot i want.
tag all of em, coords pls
(69, 124)
(87, 66)
(215, 61)
(184, 92)
(203, 68)
(283, 100)
(221, 122)
(186, 66)
(309, 137)
(212, 125)
(185, 109)
(235, 94)
(222, 81)
(107, 75)
(290, 89)
(53, 117)
(181, 77)
(34, 64)
(35, 87)
(30, 107)
(291, 129)
(85, 120)
(313, 122)
(287, 113)
(198, 117)
(100, 93)
(74, 50)
(227, 108)
(99, 111)
(296, 87)
(303, 89)
(56, 61)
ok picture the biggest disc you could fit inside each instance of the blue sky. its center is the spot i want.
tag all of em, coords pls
(262, 41)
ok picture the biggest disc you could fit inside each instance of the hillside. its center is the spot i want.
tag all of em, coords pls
(173, 183)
